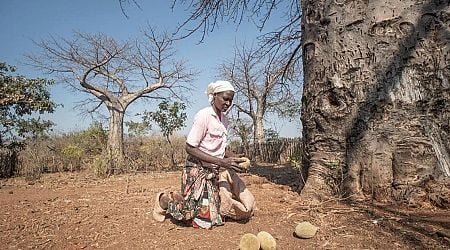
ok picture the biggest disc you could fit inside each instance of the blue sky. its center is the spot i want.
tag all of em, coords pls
(24, 21)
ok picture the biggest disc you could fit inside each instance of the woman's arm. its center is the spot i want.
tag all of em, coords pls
(197, 153)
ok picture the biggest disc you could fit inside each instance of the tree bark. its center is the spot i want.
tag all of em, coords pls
(172, 152)
(258, 124)
(259, 129)
(376, 102)
(115, 137)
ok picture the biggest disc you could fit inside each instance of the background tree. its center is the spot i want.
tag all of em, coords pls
(170, 118)
(375, 106)
(20, 99)
(242, 127)
(263, 86)
(138, 129)
(115, 74)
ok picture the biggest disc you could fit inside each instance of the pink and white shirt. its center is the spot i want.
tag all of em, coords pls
(209, 133)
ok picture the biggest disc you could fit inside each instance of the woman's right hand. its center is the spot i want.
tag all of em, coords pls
(231, 163)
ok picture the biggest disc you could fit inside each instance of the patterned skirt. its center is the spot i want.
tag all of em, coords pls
(201, 201)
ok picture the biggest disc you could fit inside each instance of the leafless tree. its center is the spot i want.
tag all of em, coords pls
(242, 127)
(115, 74)
(263, 86)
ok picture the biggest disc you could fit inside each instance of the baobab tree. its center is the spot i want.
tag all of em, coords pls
(263, 87)
(115, 74)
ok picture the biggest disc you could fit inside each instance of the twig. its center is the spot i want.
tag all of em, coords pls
(45, 242)
(127, 184)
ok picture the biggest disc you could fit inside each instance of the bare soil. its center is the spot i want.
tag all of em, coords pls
(81, 211)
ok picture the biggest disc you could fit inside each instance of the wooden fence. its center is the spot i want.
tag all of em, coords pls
(275, 151)
(8, 162)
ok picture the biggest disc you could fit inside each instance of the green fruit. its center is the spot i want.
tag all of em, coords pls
(305, 230)
(266, 241)
(249, 242)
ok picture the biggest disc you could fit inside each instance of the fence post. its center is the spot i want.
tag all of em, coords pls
(8, 162)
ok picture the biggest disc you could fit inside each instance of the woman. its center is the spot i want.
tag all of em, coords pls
(211, 190)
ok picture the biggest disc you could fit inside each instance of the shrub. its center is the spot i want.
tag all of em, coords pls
(99, 165)
(154, 153)
(57, 153)
(83, 150)
(73, 155)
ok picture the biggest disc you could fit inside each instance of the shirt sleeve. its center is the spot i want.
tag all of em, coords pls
(198, 130)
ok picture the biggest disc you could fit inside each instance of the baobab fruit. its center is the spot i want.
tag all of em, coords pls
(305, 230)
(245, 164)
(249, 241)
(266, 241)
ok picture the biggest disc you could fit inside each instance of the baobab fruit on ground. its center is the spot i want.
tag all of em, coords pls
(249, 241)
(305, 230)
(266, 240)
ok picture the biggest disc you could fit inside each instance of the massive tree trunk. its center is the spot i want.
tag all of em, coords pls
(376, 104)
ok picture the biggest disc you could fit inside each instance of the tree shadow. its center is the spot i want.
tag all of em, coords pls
(283, 174)
(378, 98)
(419, 229)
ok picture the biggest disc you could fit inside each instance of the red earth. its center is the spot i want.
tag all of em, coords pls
(82, 211)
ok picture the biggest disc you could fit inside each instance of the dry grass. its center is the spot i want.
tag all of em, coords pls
(154, 153)
(83, 150)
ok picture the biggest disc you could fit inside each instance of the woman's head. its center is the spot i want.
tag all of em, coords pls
(220, 95)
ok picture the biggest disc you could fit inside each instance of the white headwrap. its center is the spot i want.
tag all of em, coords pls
(216, 87)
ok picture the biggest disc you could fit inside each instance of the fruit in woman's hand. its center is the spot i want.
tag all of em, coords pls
(245, 164)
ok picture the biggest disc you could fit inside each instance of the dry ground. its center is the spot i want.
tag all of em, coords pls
(81, 211)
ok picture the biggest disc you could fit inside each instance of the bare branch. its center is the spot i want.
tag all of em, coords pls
(134, 2)
(206, 15)
(261, 88)
(116, 73)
